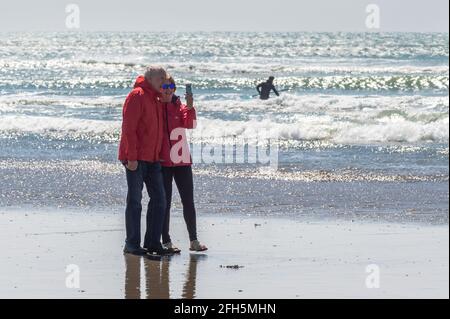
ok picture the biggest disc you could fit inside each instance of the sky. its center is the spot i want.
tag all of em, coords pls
(226, 15)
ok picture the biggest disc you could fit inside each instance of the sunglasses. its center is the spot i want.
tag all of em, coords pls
(168, 86)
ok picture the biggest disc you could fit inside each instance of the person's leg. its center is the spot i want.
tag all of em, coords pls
(157, 206)
(133, 210)
(167, 173)
(149, 215)
(167, 181)
(185, 184)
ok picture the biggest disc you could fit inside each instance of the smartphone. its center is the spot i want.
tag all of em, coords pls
(189, 89)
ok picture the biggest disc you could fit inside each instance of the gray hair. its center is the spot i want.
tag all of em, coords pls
(154, 70)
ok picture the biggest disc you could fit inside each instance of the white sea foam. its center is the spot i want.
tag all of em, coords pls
(394, 129)
(337, 119)
(321, 103)
(62, 128)
(310, 128)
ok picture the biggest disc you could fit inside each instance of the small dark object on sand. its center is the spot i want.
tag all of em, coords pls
(231, 266)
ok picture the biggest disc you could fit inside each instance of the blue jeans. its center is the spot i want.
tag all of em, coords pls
(149, 174)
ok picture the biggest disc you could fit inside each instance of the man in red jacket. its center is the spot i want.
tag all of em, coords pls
(140, 146)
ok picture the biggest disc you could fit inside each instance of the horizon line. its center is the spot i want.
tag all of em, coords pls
(216, 31)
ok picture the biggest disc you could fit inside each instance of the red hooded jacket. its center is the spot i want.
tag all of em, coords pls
(142, 126)
(177, 118)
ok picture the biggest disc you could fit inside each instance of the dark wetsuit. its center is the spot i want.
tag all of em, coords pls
(264, 90)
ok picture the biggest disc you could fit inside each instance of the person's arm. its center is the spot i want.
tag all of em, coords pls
(189, 115)
(258, 88)
(132, 111)
(275, 90)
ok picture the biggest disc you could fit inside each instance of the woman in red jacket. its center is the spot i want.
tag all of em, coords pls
(176, 161)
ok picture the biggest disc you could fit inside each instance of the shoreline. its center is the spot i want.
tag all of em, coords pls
(118, 211)
(93, 185)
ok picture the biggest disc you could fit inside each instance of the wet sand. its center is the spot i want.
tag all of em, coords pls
(248, 258)
(94, 186)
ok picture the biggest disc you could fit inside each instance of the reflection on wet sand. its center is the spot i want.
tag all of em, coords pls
(157, 279)
(191, 276)
(132, 277)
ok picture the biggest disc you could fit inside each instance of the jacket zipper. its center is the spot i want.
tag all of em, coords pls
(168, 133)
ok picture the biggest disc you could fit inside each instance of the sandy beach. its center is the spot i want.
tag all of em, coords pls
(249, 257)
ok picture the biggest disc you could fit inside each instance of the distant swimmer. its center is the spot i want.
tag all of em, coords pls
(265, 88)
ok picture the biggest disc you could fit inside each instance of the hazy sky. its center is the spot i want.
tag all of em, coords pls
(228, 15)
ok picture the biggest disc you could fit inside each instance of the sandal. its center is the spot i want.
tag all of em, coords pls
(172, 248)
(196, 246)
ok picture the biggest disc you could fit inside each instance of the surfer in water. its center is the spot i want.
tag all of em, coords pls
(264, 89)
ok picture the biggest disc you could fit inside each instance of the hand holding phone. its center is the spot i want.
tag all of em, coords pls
(189, 96)
(188, 89)
(189, 101)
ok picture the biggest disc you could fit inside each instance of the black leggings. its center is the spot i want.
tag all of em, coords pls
(185, 184)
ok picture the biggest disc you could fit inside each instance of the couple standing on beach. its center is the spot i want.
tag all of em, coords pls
(154, 151)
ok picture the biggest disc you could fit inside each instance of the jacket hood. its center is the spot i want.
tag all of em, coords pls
(176, 100)
(142, 83)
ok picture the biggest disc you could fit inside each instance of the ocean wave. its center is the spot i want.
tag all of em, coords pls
(64, 106)
(234, 103)
(313, 128)
(395, 83)
(223, 66)
(392, 129)
(332, 118)
(92, 84)
(59, 128)
(341, 106)
(407, 83)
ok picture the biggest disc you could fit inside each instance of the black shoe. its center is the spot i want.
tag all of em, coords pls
(137, 251)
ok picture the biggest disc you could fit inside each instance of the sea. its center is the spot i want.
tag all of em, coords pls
(361, 123)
